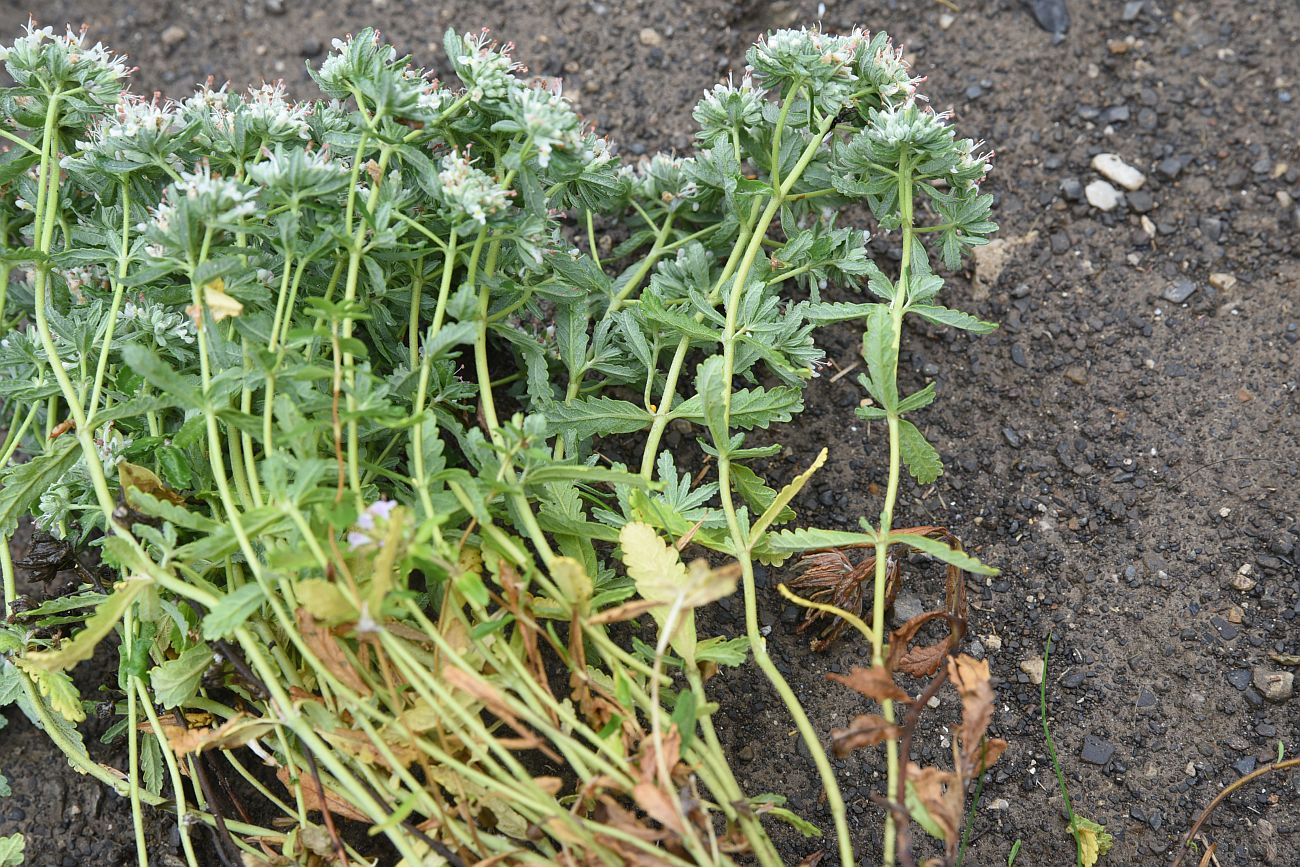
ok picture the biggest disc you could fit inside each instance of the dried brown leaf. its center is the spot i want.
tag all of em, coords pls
(876, 683)
(313, 800)
(322, 642)
(865, 730)
(234, 732)
(626, 611)
(940, 793)
(920, 661)
(971, 678)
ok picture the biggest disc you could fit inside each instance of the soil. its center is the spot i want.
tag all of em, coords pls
(1124, 459)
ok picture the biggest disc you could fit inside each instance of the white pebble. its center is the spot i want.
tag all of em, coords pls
(1115, 169)
(1102, 195)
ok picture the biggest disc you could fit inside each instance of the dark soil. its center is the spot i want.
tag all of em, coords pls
(1119, 456)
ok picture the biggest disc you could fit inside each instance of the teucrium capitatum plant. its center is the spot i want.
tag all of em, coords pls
(331, 390)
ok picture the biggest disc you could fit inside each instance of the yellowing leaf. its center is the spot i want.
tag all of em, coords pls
(135, 477)
(98, 626)
(784, 497)
(661, 577)
(216, 300)
(573, 581)
(325, 601)
(1093, 840)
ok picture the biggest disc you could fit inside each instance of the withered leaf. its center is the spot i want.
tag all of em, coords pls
(313, 799)
(920, 661)
(875, 683)
(132, 476)
(234, 732)
(940, 793)
(971, 678)
(865, 730)
(322, 642)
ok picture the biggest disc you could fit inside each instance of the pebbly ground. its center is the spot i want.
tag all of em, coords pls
(1131, 462)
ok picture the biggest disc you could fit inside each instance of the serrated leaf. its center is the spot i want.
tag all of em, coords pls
(11, 850)
(177, 680)
(777, 509)
(723, 651)
(940, 551)
(1093, 840)
(920, 458)
(59, 691)
(917, 400)
(184, 388)
(882, 360)
(955, 318)
(21, 485)
(750, 408)
(597, 416)
(812, 539)
(231, 611)
(98, 626)
(710, 391)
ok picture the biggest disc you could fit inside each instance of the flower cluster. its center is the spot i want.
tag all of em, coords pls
(161, 326)
(474, 194)
(45, 63)
(728, 109)
(484, 66)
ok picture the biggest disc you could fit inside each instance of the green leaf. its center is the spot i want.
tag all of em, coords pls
(812, 539)
(11, 850)
(955, 318)
(231, 612)
(597, 416)
(21, 485)
(684, 710)
(723, 651)
(750, 408)
(777, 508)
(941, 551)
(794, 820)
(98, 626)
(917, 400)
(710, 392)
(186, 389)
(921, 458)
(881, 354)
(177, 680)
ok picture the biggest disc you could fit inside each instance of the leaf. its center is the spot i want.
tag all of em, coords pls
(21, 485)
(941, 797)
(573, 581)
(723, 651)
(750, 408)
(971, 678)
(186, 389)
(783, 498)
(876, 683)
(921, 458)
(135, 478)
(812, 539)
(97, 628)
(940, 551)
(793, 819)
(659, 575)
(231, 611)
(865, 730)
(955, 318)
(234, 732)
(215, 299)
(917, 400)
(316, 799)
(880, 352)
(597, 416)
(1093, 840)
(325, 601)
(177, 680)
(11, 850)
(59, 689)
(711, 392)
(322, 642)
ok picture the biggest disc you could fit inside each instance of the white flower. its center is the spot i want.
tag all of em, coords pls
(472, 192)
(364, 532)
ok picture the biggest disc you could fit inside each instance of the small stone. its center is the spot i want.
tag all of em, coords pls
(1239, 678)
(1146, 698)
(1112, 168)
(946, 20)
(1012, 437)
(1034, 668)
(1276, 686)
(1074, 679)
(1096, 751)
(1179, 291)
(1235, 614)
(1072, 190)
(907, 606)
(1102, 196)
(1077, 374)
(311, 47)
(1141, 201)
(173, 36)
(649, 36)
(999, 804)
(273, 7)
(1223, 281)
(1132, 10)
